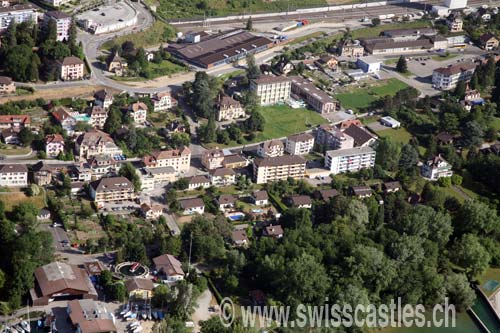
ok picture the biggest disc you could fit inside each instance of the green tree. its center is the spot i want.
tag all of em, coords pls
(128, 171)
(375, 21)
(401, 65)
(10, 38)
(113, 122)
(471, 255)
(249, 25)
(458, 289)
(161, 296)
(18, 62)
(388, 153)
(253, 71)
(460, 90)
(26, 136)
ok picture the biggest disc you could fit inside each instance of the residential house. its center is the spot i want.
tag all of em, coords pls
(98, 116)
(151, 177)
(327, 61)
(361, 191)
(226, 201)
(89, 316)
(71, 68)
(270, 169)
(240, 238)
(151, 212)
(222, 177)
(319, 100)
(10, 137)
(42, 173)
(54, 145)
(349, 160)
(350, 48)
(444, 138)
(271, 89)
(212, 159)
(138, 288)
(454, 23)
(391, 187)
(260, 198)
(163, 101)
(169, 268)
(110, 190)
(62, 22)
(179, 159)
(103, 165)
(362, 138)
(331, 137)
(271, 148)
(13, 175)
(192, 206)
(228, 108)
(103, 98)
(435, 168)
(117, 65)
(7, 86)
(300, 201)
(488, 41)
(81, 173)
(234, 161)
(138, 112)
(273, 231)
(326, 194)
(63, 118)
(197, 182)
(95, 142)
(447, 77)
(299, 144)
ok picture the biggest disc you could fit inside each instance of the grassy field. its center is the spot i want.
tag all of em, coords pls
(11, 199)
(306, 37)
(165, 68)
(400, 135)
(281, 121)
(359, 98)
(190, 8)
(496, 123)
(158, 33)
(14, 150)
(375, 31)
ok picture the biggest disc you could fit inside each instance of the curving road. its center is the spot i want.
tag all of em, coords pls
(92, 44)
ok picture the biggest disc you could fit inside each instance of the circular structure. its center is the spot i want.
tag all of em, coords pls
(132, 269)
(108, 18)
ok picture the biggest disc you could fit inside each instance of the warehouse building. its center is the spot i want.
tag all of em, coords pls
(224, 48)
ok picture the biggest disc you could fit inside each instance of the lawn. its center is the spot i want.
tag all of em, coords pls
(165, 68)
(192, 8)
(375, 31)
(158, 33)
(11, 199)
(400, 135)
(360, 98)
(280, 121)
(445, 57)
(496, 123)
(13, 150)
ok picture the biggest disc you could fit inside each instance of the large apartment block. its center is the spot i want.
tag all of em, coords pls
(271, 169)
(272, 89)
(18, 13)
(63, 23)
(447, 77)
(179, 159)
(349, 160)
(319, 100)
(13, 175)
(110, 190)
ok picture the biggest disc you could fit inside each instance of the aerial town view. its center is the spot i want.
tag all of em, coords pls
(250, 166)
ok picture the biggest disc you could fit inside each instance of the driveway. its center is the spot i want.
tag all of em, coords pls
(59, 237)
(201, 312)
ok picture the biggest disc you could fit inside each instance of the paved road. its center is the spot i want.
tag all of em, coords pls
(59, 236)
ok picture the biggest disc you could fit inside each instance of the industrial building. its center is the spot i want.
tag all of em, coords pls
(208, 51)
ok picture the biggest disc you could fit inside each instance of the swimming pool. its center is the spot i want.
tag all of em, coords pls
(238, 216)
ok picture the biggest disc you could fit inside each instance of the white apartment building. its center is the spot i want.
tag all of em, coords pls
(349, 160)
(95, 142)
(212, 159)
(110, 190)
(98, 116)
(71, 68)
(271, 169)
(331, 137)
(222, 177)
(271, 148)
(18, 13)
(272, 89)
(54, 144)
(179, 159)
(163, 101)
(63, 23)
(447, 77)
(299, 144)
(138, 112)
(436, 168)
(13, 175)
